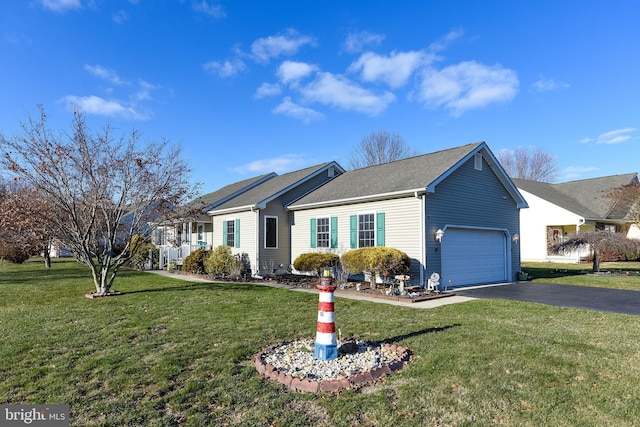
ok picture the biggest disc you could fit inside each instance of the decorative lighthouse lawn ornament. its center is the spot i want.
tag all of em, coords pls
(326, 346)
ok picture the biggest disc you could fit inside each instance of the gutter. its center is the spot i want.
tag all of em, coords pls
(370, 198)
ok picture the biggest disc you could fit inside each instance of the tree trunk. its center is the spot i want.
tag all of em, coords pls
(596, 262)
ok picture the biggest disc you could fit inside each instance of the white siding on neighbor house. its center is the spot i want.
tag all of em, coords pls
(533, 226)
(247, 234)
(402, 227)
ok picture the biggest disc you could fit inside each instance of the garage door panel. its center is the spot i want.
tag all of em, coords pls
(473, 256)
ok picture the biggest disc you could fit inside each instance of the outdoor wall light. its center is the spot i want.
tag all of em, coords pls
(515, 238)
(439, 235)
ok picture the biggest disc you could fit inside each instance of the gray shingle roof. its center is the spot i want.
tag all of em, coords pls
(208, 201)
(405, 175)
(587, 197)
(271, 188)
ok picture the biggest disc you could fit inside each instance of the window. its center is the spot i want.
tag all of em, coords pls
(322, 233)
(477, 161)
(270, 232)
(366, 230)
(230, 233)
(200, 232)
(159, 236)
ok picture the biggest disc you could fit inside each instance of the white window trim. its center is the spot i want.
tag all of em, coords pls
(265, 232)
(225, 230)
(477, 161)
(328, 218)
(375, 228)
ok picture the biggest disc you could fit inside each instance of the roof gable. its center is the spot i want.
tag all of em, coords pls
(588, 198)
(260, 195)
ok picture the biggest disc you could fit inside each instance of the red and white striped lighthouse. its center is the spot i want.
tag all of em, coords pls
(326, 346)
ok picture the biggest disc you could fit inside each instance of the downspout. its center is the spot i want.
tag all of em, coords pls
(581, 221)
(257, 237)
(423, 261)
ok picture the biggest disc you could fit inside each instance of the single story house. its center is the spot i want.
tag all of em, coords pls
(557, 211)
(454, 212)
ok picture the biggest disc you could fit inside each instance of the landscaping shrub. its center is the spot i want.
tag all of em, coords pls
(194, 263)
(378, 260)
(13, 254)
(222, 263)
(315, 261)
(141, 255)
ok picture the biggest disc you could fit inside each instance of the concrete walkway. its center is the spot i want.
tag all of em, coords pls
(422, 304)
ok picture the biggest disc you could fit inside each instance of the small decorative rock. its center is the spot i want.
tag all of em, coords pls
(293, 365)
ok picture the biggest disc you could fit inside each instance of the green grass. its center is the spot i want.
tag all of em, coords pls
(578, 274)
(173, 353)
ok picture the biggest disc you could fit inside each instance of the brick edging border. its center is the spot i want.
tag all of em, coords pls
(266, 370)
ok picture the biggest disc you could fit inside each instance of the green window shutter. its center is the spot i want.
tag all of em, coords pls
(353, 231)
(313, 233)
(237, 233)
(334, 232)
(380, 229)
(224, 233)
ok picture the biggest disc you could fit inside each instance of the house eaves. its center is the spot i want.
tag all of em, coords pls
(494, 164)
(587, 198)
(369, 198)
(260, 195)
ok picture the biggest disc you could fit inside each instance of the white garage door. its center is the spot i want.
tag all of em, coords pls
(473, 256)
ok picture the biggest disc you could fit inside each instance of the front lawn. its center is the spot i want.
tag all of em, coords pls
(624, 275)
(173, 353)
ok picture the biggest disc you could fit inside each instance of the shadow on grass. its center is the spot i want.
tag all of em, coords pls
(421, 332)
(195, 286)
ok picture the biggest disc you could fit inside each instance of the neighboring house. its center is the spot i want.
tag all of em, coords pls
(190, 228)
(557, 211)
(256, 224)
(454, 212)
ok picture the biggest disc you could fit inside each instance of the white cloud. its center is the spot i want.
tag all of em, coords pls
(394, 69)
(102, 107)
(615, 136)
(288, 43)
(61, 5)
(292, 71)
(337, 91)
(546, 85)
(285, 163)
(291, 109)
(120, 17)
(144, 93)
(468, 85)
(203, 6)
(267, 89)
(105, 74)
(445, 42)
(355, 42)
(228, 68)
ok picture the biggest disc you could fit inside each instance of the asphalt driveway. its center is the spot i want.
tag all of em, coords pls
(611, 300)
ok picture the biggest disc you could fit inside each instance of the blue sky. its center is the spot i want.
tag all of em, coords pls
(248, 87)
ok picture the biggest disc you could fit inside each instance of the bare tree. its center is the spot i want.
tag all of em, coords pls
(599, 242)
(377, 148)
(530, 164)
(627, 201)
(25, 220)
(104, 190)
